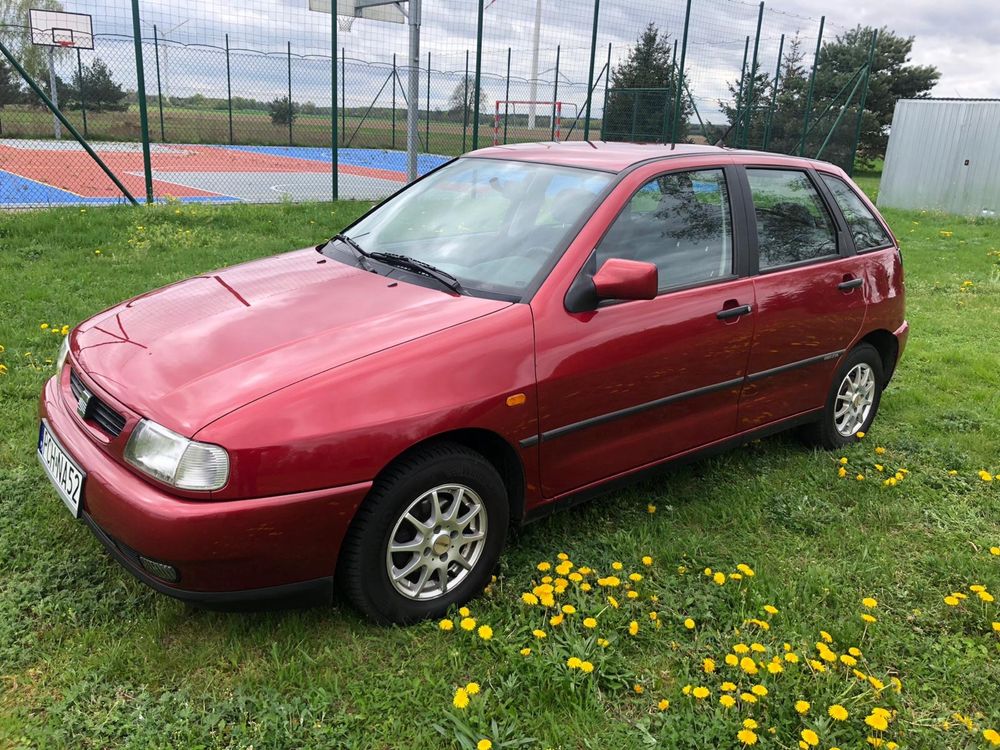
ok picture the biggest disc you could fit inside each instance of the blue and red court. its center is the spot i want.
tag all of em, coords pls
(37, 173)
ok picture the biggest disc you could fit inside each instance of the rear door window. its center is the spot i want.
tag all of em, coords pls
(681, 223)
(866, 230)
(793, 223)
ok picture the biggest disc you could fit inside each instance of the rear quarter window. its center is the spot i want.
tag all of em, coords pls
(867, 231)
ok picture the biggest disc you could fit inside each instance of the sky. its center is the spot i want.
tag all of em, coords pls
(961, 38)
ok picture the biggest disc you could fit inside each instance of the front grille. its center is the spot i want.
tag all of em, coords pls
(97, 411)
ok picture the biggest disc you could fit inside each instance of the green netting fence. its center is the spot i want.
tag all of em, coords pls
(257, 101)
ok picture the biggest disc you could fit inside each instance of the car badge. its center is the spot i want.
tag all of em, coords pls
(82, 404)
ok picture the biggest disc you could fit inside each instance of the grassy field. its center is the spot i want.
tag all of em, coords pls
(253, 128)
(89, 658)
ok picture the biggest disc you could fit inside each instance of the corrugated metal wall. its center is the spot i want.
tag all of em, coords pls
(944, 155)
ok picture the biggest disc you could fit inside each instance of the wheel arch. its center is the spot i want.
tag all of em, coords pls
(491, 446)
(887, 346)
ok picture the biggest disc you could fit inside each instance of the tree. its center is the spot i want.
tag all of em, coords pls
(283, 111)
(747, 110)
(98, 91)
(463, 99)
(10, 85)
(892, 77)
(632, 115)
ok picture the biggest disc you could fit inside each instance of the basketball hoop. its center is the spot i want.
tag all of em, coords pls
(344, 23)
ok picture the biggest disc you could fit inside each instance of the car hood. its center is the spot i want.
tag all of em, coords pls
(188, 353)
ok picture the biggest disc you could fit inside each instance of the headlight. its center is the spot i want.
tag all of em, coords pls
(175, 460)
(63, 353)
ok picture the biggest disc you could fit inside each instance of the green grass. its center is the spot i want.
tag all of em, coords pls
(91, 659)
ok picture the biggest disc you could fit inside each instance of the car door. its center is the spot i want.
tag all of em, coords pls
(630, 383)
(809, 292)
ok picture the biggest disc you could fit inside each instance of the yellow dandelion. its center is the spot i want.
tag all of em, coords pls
(727, 701)
(708, 665)
(651, 508)
(525, 651)
(869, 602)
(747, 736)
(877, 722)
(539, 633)
(543, 566)
(868, 618)
(484, 744)
(530, 599)
(586, 666)
(770, 609)
(748, 697)
(759, 690)
(689, 623)
(701, 692)
(802, 707)
(639, 689)
(633, 628)
(663, 705)
(461, 699)
(837, 712)
(557, 620)
(468, 623)
(446, 625)
(647, 561)
(574, 662)
(589, 622)
(810, 737)
(485, 632)
(951, 601)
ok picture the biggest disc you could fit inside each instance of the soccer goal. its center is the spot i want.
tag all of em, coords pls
(521, 120)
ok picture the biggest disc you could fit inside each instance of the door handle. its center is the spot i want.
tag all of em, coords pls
(846, 286)
(733, 312)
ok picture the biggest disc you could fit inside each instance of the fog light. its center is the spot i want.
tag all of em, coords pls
(159, 569)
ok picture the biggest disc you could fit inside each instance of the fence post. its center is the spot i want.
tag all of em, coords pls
(83, 99)
(427, 126)
(607, 81)
(159, 91)
(666, 95)
(753, 76)
(395, 79)
(343, 94)
(555, 92)
(862, 102)
(479, 71)
(812, 87)
(140, 80)
(229, 94)
(506, 97)
(590, 75)
(738, 122)
(334, 155)
(680, 75)
(465, 104)
(774, 95)
(291, 109)
(68, 125)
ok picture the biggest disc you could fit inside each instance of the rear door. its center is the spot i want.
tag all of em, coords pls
(809, 287)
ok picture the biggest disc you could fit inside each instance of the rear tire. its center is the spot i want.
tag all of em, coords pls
(427, 537)
(853, 400)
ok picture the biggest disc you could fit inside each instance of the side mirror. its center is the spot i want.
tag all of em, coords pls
(620, 279)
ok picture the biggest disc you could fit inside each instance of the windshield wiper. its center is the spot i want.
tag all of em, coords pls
(359, 251)
(417, 266)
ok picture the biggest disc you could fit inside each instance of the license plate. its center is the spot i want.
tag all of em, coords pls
(63, 472)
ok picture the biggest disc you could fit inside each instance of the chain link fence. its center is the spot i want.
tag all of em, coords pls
(257, 101)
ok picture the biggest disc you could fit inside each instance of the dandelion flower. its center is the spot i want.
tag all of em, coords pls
(992, 736)
(689, 623)
(860, 435)
(589, 622)
(747, 736)
(586, 666)
(557, 620)
(757, 648)
(632, 594)
(870, 619)
(746, 570)
(525, 651)
(569, 609)
(484, 744)
(603, 642)
(869, 602)
(759, 690)
(748, 697)
(837, 712)
(879, 450)
(539, 633)
(574, 662)
(877, 722)
(719, 578)
(727, 701)
(647, 561)
(633, 628)
(468, 623)
(770, 609)
(464, 612)
(986, 596)
(461, 699)
(485, 632)
(708, 665)
(528, 598)
(446, 625)
(841, 472)
(639, 689)
(810, 737)
(951, 601)
(651, 508)
(748, 665)
(701, 692)
(995, 551)
(613, 602)
(544, 566)
(802, 707)
(663, 705)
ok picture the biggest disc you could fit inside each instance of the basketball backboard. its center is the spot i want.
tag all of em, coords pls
(54, 28)
(374, 10)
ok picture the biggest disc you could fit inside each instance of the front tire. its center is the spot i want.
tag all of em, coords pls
(427, 537)
(853, 400)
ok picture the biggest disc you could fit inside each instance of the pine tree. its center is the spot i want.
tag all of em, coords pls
(645, 116)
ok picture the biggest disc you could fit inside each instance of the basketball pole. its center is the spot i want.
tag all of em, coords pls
(534, 63)
(413, 93)
(54, 92)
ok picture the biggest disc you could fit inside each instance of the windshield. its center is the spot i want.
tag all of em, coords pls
(496, 226)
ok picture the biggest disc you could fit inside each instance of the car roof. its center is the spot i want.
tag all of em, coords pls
(614, 156)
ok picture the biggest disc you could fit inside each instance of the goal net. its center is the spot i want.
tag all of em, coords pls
(524, 121)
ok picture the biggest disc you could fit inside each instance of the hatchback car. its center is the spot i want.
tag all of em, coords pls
(515, 330)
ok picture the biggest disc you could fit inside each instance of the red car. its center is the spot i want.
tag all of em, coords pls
(516, 329)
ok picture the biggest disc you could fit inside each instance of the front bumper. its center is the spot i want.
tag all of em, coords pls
(224, 551)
